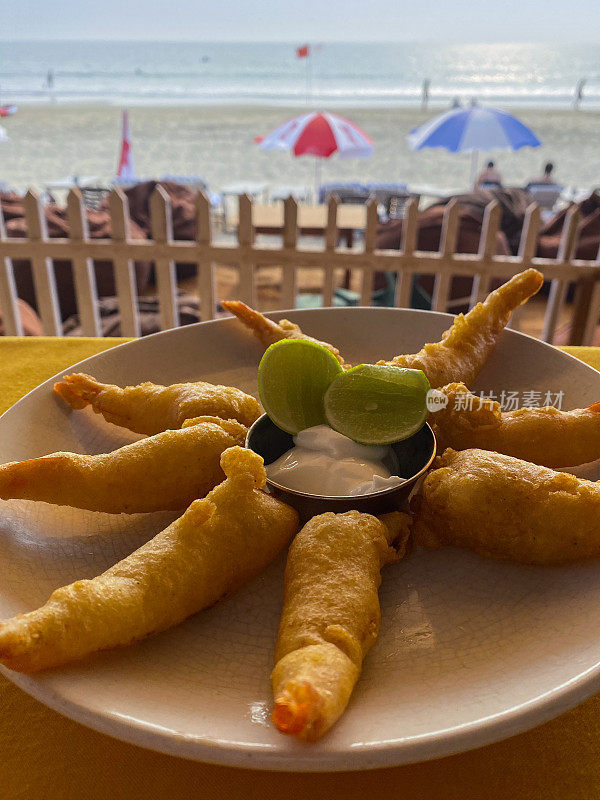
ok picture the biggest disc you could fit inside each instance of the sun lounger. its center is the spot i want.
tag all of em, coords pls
(545, 195)
(346, 192)
(300, 193)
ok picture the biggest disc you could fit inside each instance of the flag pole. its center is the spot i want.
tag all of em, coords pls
(474, 160)
(308, 75)
(317, 177)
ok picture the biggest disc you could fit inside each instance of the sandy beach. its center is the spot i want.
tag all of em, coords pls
(51, 141)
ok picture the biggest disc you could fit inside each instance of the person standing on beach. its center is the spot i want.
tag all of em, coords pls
(579, 93)
(489, 175)
(425, 94)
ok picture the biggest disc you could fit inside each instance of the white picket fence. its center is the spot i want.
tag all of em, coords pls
(288, 253)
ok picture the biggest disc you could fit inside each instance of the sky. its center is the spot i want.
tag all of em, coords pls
(310, 20)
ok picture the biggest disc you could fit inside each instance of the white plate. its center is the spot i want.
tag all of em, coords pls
(470, 650)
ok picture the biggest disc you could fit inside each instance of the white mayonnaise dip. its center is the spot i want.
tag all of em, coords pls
(325, 462)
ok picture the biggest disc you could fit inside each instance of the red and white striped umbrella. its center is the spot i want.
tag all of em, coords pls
(319, 134)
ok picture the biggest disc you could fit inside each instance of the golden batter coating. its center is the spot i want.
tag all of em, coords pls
(467, 344)
(330, 616)
(502, 507)
(150, 408)
(219, 544)
(545, 436)
(269, 332)
(162, 472)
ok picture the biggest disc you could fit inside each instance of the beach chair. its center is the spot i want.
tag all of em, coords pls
(345, 192)
(300, 193)
(545, 195)
(93, 196)
(192, 181)
(391, 199)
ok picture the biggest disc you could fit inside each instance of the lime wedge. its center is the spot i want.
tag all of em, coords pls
(293, 376)
(377, 404)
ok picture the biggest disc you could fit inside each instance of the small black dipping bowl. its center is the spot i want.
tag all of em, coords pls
(414, 456)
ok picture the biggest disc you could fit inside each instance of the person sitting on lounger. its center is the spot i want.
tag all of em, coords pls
(546, 178)
(489, 175)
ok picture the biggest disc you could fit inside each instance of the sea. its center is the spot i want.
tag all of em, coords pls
(271, 74)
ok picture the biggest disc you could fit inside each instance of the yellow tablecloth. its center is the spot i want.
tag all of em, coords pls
(44, 756)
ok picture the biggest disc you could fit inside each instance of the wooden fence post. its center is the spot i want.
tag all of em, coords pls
(290, 242)
(448, 238)
(527, 248)
(331, 237)
(245, 238)
(83, 270)
(206, 287)
(486, 251)
(558, 288)
(11, 319)
(161, 224)
(124, 272)
(410, 229)
(43, 272)
(370, 243)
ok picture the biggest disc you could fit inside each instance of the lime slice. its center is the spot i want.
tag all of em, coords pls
(293, 376)
(377, 404)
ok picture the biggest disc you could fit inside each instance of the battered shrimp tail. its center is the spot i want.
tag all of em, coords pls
(79, 390)
(265, 330)
(594, 407)
(297, 709)
(467, 344)
(269, 332)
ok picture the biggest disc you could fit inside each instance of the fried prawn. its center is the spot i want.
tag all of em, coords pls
(502, 507)
(219, 544)
(161, 472)
(150, 408)
(545, 436)
(330, 616)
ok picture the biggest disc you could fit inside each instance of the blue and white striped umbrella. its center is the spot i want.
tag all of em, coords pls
(474, 129)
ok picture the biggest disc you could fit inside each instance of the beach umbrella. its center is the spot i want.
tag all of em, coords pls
(319, 134)
(477, 129)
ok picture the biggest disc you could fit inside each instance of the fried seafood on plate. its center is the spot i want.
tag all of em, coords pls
(219, 544)
(467, 344)
(269, 332)
(502, 507)
(330, 616)
(545, 436)
(166, 471)
(150, 408)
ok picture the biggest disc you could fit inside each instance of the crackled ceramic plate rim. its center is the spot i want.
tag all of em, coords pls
(335, 752)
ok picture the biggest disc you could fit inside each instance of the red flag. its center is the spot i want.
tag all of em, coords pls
(125, 170)
(303, 52)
